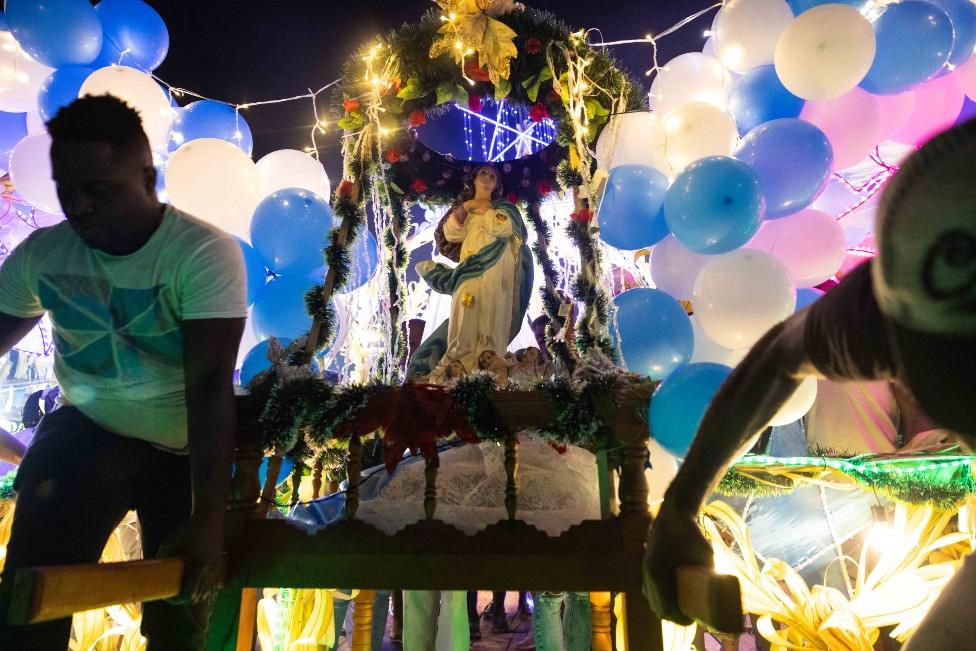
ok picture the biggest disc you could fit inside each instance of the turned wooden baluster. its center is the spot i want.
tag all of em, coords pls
(354, 466)
(317, 479)
(270, 486)
(245, 488)
(600, 620)
(430, 487)
(296, 482)
(511, 473)
(362, 621)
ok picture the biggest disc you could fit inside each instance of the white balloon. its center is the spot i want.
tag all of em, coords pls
(664, 466)
(825, 52)
(746, 32)
(635, 138)
(811, 244)
(696, 130)
(708, 49)
(141, 92)
(30, 172)
(21, 76)
(690, 77)
(741, 295)
(707, 350)
(216, 181)
(35, 123)
(798, 404)
(674, 267)
(290, 168)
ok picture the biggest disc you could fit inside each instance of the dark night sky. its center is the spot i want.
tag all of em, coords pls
(248, 51)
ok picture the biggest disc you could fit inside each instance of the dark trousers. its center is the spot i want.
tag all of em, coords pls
(75, 485)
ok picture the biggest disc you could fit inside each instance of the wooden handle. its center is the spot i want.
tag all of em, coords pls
(42, 594)
(711, 598)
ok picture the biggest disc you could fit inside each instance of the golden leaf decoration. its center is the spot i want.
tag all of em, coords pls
(471, 30)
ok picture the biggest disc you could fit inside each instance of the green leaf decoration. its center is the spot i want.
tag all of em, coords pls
(531, 85)
(412, 90)
(595, 111)
(502, 89)
(352, 121)
(449, 91)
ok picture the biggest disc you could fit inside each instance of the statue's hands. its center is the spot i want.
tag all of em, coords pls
(675, 540)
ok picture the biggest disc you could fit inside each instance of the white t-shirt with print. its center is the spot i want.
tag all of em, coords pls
(116, 319)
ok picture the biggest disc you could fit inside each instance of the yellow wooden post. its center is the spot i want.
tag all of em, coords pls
(362, 620)
(602, 634)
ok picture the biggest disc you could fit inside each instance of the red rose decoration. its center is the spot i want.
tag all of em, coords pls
(476, 72)
(512, 197)
(345, 188)
(533, 46)
(543, 187)
(539, 112)
(419, 185)
(350, 105)
(583, 215)
(474, 103)
(392, 155)
(417, 118)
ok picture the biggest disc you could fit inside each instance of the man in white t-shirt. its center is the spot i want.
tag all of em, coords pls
(147, 306)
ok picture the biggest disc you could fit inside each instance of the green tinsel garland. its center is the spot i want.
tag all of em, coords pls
(342, 405)
(7, 486)
(473, 393)
(585, 290)
(288, 408)
(567, 177)
(396, 266)
(736, 484)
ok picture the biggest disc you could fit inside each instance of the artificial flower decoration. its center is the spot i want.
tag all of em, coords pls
(417, 118)
(476, 72)
(392, 155)
(470, 30)
(474, 103)
(533, 46)
(539, 112)
(418, 185)
(543, 187)
(345, 188)
(351, 104)
(583, 215)
(512, 197)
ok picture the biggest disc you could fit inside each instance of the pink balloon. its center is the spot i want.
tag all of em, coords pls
(810, 243)
(895, 111)
(967, 77)
(937, 105)
(852, 123)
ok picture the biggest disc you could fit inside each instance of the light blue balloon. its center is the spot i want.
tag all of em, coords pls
(963, 16)
(257, 274)
(209, 119)
(60, 89)
(806, 296)
(287, 465)
(630, 214)
(13, 128)
(289, 229)
(799, 6)
(793, 159)
(679, 403)
(715, 205)
(56, 32)
(279, 310)
(256, 360)
(759, 96)
(365, 258)
(134, 33)
(653, 332)
(914, 41)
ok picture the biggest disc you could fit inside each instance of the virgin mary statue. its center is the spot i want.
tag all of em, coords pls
(490, 287)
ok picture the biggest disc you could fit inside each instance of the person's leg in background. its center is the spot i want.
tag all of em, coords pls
(499, 619)
(474, 618)
(381, 613)
(420, 612)
(452, 624)
(577, 626)
(340, 606)
(396, 633)
(72, 491)
(547, 625)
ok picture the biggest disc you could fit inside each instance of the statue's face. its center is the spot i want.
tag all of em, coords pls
(486, 358)
(456, 369)
(530, 356)
(486, 180)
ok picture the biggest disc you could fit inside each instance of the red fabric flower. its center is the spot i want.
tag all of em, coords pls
(474, 103)
(543, 187)
(418, 185)
(512, 197)
(392, 155)
(533, 46)
(476, 72)
(350, 105)
(583, 215)
(417, 118)
(345, 188)
(539, 112)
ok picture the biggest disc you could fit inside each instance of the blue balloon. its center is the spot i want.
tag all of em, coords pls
(760, 97)
(279, 310)
(56, 32)
(715, 205)
(289, 229)
(914, 41)
(679, 403)
(13, 128)
(256, 360)
(60, 89)
(257, 273)
(286, 467)
(135, 34)
(799, 6)
(793, 159)
(365, 259)
(209, 119)
(806, 296)
(653, 331)
(963, 16)
(630, 215)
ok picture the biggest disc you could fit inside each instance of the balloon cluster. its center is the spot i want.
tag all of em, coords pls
(721, 179)
(54, 51)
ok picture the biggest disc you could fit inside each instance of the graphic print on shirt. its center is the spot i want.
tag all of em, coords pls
(108, 331)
